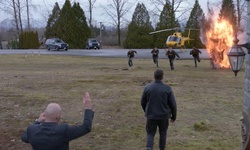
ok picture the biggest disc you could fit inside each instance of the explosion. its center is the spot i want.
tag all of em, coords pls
(219, 39)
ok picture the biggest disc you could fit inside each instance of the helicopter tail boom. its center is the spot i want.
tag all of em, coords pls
(188, 38)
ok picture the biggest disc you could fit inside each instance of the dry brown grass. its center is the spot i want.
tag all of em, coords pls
(28, 84)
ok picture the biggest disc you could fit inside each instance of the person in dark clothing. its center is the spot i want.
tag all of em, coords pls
(171, 54)
(158, 103)
(47, 134)
(195, 52)
(131, 54)
(155, 53)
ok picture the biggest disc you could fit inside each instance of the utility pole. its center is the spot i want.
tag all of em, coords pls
(101, 25)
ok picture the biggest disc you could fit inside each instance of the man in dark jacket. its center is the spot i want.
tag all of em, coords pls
(195, 52)
(47, 134)
(155, 53)
(131, 54)
(158, 103)
(171, 54)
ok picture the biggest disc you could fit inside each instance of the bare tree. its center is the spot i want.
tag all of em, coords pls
(19, 14)
(179, 7)
(44, 9)
(13, 8)
(241, 7)
(28, 14)
(91, 6)
(15, 15)
(117, 9)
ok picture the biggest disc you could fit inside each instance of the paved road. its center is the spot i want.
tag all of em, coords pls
(120, 53)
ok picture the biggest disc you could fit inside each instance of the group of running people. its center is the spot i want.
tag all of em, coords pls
(170, 53)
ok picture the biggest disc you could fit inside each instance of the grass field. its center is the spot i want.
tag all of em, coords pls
(209, 101)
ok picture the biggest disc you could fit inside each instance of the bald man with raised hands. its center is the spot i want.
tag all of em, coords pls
(47, 134)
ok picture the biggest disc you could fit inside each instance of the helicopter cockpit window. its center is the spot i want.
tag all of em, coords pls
(172, 38)
(178, 40)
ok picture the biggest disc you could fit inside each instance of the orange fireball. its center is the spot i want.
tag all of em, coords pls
(219, 40)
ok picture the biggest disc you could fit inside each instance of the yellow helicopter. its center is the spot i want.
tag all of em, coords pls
(176, 40)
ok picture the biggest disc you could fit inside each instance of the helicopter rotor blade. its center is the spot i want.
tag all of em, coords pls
(164, 30)
(191, 29)
(177, 28)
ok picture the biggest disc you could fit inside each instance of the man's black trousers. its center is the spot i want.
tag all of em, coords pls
(151, 128)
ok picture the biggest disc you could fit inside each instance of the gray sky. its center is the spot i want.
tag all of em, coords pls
(44, 7)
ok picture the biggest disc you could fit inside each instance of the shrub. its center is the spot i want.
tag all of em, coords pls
(202, 126)
(12, 44)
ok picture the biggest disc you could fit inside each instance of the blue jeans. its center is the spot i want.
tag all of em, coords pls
(151, 128)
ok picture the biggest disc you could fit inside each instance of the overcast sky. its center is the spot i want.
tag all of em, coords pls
(44, 7)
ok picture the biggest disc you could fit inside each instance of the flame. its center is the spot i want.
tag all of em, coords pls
(219, 40)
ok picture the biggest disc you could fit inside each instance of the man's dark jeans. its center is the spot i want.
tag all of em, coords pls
(130, 61)
(196, 58)
(171, 61)
(155, 59)
(151, 128)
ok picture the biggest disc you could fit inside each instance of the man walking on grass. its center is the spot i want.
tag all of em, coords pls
(159, 105)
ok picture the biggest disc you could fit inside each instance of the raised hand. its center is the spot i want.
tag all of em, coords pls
(87, 101)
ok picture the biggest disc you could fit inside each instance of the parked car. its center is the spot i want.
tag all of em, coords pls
(92, 44)
(56, 43)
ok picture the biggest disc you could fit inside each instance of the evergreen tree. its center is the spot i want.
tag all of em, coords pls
(228, 12)
(95, 31)
(21, 40)
(65, 22)
(81, 31)
(194, 22)
(36, 37)
(28, 39)
(139, 28)
(167, 20)
(51, 23)
(24, 40)
(72, 26)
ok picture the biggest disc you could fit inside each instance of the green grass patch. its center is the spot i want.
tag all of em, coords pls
(209, 100)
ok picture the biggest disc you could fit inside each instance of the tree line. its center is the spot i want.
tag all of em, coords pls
(140, 26)
(71, 25)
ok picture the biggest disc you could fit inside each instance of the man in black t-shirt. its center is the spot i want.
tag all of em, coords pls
(131, 53)
(195, 52)
(155, 53)
(171, 54)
